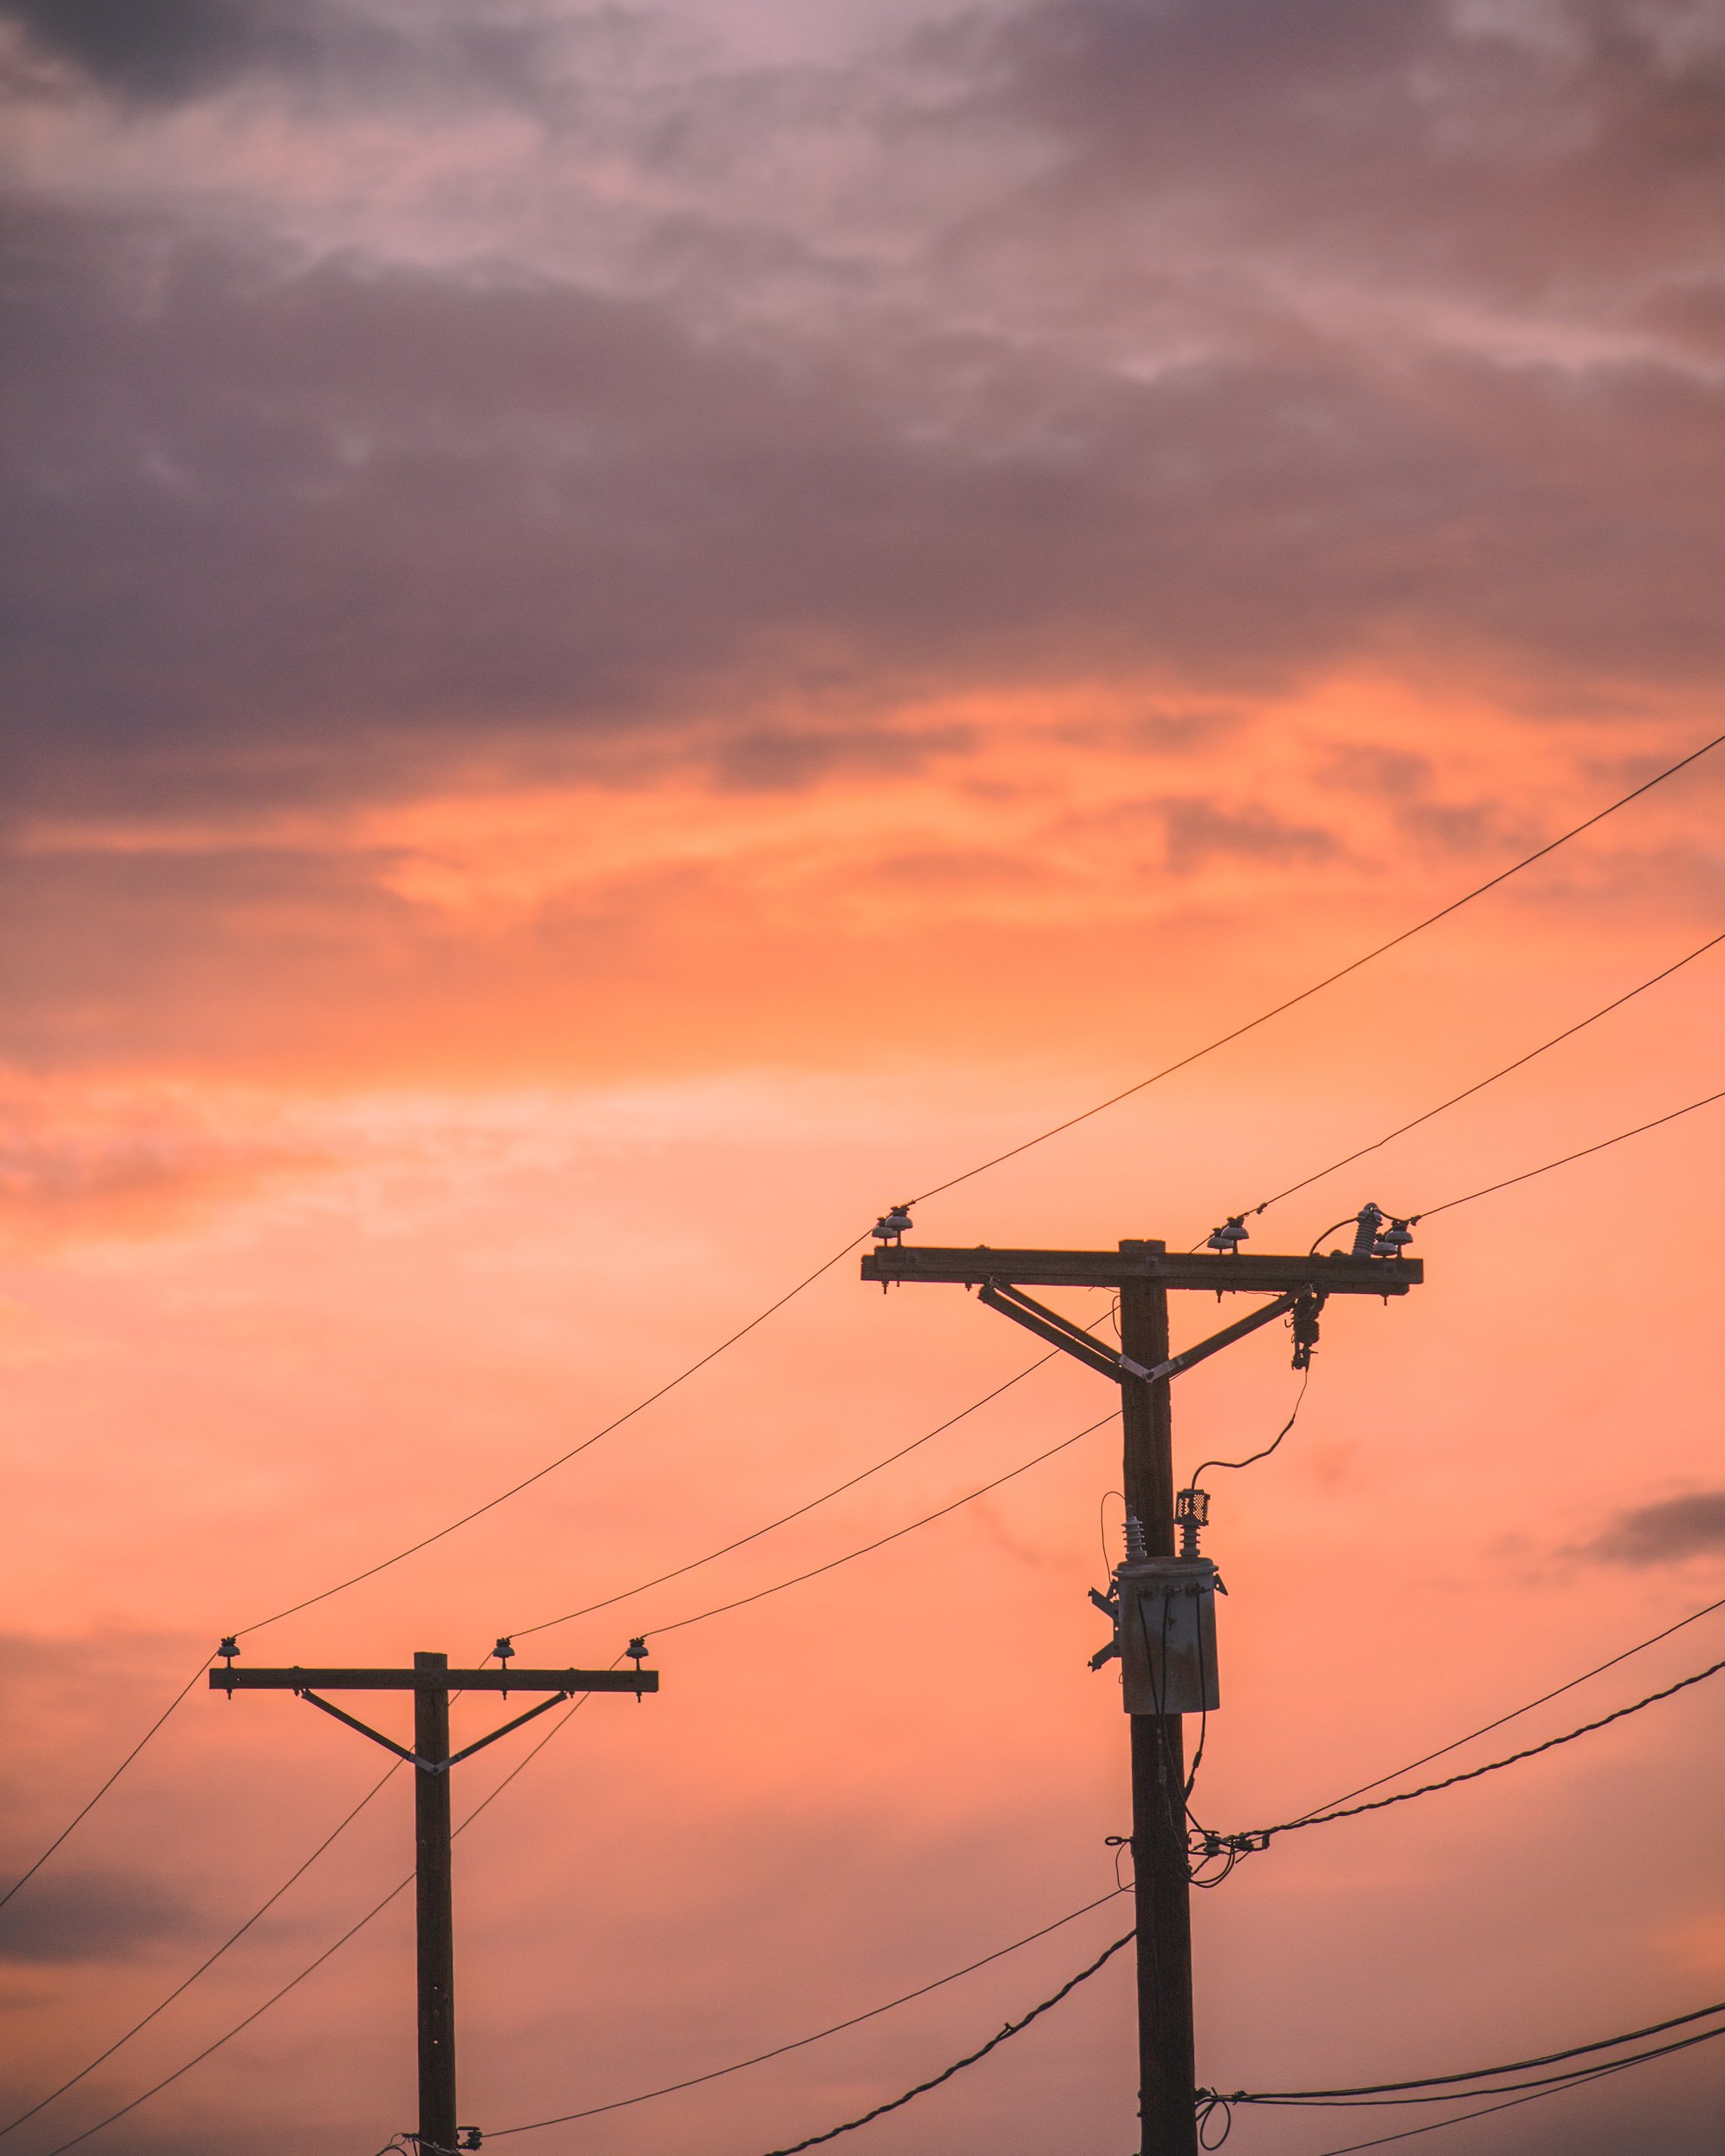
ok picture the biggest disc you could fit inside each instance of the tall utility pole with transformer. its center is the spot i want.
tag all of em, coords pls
(1161, 1599)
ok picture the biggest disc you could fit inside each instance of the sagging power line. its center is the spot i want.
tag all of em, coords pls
(1185, 1062)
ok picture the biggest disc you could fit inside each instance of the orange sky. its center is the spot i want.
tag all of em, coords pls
(643, 633)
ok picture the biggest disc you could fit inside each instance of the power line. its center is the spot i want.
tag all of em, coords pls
(968, 1174)
(658, 1631)
(1594, 2073)
(679, 1625)
(232, 1939)
(627, 1594)
(1471, 2074)
(352, 1931)
(672, 2089)
(1515, 1713)
(952, 1183)
(1605, 1144)
(1259, 1837)
(85, 1810)
(527, 1759)
(922, 2088)
(563, 1459)
(1479, 1085)
(1329, 979)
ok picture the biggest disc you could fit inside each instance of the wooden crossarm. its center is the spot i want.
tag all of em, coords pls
(296, 1680)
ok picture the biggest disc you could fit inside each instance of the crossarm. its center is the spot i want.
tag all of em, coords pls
(228, 1679)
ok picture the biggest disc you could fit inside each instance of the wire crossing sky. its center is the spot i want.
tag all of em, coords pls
(630, 631)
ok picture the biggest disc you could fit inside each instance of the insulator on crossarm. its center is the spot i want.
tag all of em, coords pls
(891, 1226)
(1228, 1238)
(1367, 1222)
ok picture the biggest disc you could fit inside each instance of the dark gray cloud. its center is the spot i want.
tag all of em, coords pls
(172, 52)
(95, 1916)
(287, 523)
(1515, 151)
(1665, 1532)
(282, 524)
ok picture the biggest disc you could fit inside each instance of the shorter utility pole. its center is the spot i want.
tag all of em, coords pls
(431, 1681)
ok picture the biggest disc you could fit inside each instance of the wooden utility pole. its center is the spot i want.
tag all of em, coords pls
(431, 1681)
(1142, 1274)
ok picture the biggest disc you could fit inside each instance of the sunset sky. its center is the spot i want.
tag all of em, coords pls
(635, 631)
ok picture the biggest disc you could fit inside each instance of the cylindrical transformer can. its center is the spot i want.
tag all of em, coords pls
(1167, 1636)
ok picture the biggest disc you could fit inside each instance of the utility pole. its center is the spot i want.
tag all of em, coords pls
(1165, 1670)
(431, 1681)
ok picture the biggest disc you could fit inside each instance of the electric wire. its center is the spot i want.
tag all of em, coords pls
(89, 1806)
(672, 2089)
(551, 1466)
(1515, 1713)
(1480, 1084)
(1436, 2125)
(1012, 2029)
(232, 1939)
(1260, 1837)
(627, 1594)
(952, 1183)
(680, 1624)
(1585, 1153)
(1329, 979)
(1472, 2074)
(658, 1631)
(1253, 1458)
(1299, 2102)
(563, 1459)
(352, 1931)
(546, 1624)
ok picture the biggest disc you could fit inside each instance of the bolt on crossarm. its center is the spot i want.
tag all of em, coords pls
(1162, 1602)
(431, 1681)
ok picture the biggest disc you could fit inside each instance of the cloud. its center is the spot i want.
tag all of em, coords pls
(287, 525)
(1517, 154)
(1665, 1532)
(95, 1916)
(106, 1169)
(344, 52)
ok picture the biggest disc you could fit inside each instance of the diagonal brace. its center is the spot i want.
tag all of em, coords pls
(365, 1729)
(1050, 1325)
(1226, 1338)
(435, 1767)
(1061, 1332)
(502, 1730)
